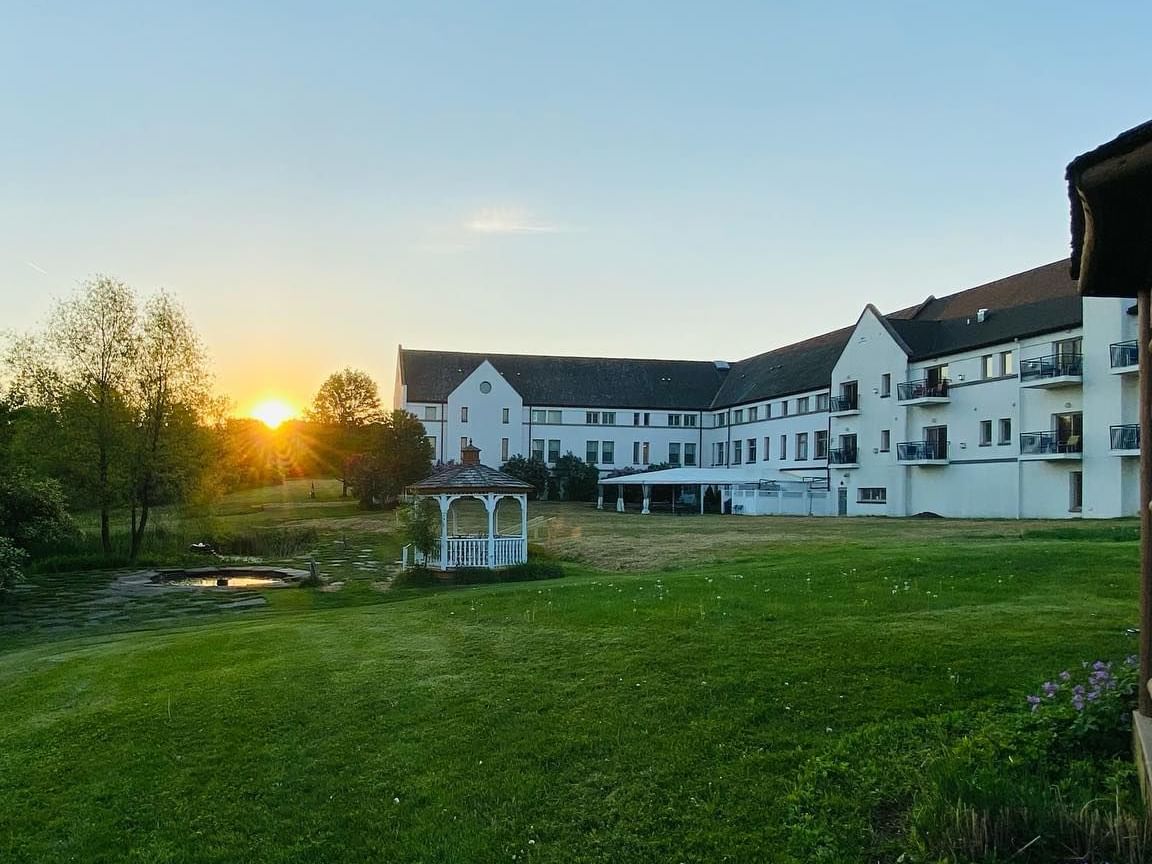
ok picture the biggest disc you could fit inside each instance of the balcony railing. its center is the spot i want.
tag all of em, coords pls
(922, 451)
(1126, 437)
(922, 389)
(844, 403)
(1049, 444)
(1124, 354)
(1052, 366)
(843, 456)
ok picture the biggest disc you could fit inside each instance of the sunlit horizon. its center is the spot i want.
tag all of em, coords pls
(273, 412)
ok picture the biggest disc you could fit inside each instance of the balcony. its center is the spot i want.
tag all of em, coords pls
(922, 453)
(923, 392)
(1125, 440)
(844, 457)
(843, 406)
(1125, 357)
(1055, 370)
(1049, 446)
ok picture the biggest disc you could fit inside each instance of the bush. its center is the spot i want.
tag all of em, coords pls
(530, 471)
(420, 577)
(416, 577)
(575, 479)
(32, 512)
(421, 522)
(12, 560)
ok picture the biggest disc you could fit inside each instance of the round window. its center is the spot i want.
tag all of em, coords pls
(485, 387)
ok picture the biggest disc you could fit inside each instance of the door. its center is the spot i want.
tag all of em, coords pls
(841, 501)
(936, 438)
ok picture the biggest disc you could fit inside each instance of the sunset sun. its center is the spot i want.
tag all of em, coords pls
(273, 412)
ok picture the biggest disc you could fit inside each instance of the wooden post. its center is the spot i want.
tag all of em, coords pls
(1144, 325)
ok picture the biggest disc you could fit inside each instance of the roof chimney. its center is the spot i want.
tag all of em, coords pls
(470, 454)
(981, 314)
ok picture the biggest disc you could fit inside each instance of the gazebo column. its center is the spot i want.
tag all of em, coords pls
(445, 505)
(600, 496)
(701, 499)
(619, 497)
(523, 500)
(490, 502)
(647, 499)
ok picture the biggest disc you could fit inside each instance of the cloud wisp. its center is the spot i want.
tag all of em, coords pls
(37, 267)
(510, 220)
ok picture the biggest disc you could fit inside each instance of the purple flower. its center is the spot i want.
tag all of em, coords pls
(1065, 675)
(1093, 694)
(1051, 688)
(1131, 660)
(1078, 697)
(1034, 701)
(1101, 666)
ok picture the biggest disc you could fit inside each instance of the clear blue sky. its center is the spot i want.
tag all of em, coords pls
(318, 182)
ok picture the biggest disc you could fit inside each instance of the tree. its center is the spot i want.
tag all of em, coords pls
(32, 511)
(12, 560)
(398, 455)
(167, 393)
(82, 367)
(575, 479)
(346, 403)
(532, 471)
(421, 522)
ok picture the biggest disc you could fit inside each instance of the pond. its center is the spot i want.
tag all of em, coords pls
(232, 577)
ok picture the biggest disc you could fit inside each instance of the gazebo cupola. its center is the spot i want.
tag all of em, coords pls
(466, 542)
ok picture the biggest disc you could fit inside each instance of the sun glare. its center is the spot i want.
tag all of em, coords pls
(273, 412)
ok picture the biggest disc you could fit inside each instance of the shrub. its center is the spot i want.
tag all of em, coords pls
(12, 560)
(530, 471)
(421, 523)
(416, 577)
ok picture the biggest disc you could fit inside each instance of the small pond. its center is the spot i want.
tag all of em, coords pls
(232, 577)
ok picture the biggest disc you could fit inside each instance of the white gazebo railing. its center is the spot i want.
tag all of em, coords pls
(471, 552)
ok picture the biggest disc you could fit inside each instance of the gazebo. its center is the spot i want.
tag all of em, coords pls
(1111, 194)
(472, 545)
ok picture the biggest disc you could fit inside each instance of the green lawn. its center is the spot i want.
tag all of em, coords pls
(608, 716)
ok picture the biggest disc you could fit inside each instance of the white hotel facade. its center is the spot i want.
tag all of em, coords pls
(1014, 399)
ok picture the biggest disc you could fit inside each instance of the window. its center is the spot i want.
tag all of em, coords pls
(801, 445)
(645, 454)
(432, 441)
(885, 385)
(592, 418)
(539, 415)
(720, 453)
(751, 450)
(555, 417)
(635, 452)
(985, 433)
(485, 387)
(1005, 431)
(673, 453)
(689, 419)
(538, 449)
(1067, 347)
(821, 444)
(802, 405)
(504, 418)
(463, 443)
(737, 451)
(607, 452)
(768, 411)
(720, 419)
(1007, 366)
(872, 495)
(1068, 428)
(885, 440)
(738, 416)
(783, 446)
(503, 449)
(821, 401)
(767, 447)
(674, 419)
(608, 418)
(647, 418)
(463, 413)
(592, 452)
(753, 414)
(553, 449)
(429, 412)
(689, 453)
(987, 366)
(784, 408)
(636, 418)
(1075, 491)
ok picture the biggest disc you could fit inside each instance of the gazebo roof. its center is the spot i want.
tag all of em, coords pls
(470, 478)
(1111, 194)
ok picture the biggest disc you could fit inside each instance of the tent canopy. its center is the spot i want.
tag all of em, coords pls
(705, 477)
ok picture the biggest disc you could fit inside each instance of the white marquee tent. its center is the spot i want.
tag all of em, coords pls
(743, 491)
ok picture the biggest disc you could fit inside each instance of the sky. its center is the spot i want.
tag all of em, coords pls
(321, 182)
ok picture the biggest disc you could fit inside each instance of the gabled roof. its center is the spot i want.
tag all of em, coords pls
(569, 381)
(473, 477)
(794, 368)
(1020, 289)
(927, 339)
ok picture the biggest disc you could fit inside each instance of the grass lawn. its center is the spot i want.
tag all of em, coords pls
(626, 713)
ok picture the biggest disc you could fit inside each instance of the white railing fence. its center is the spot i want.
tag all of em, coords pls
(470, 552)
